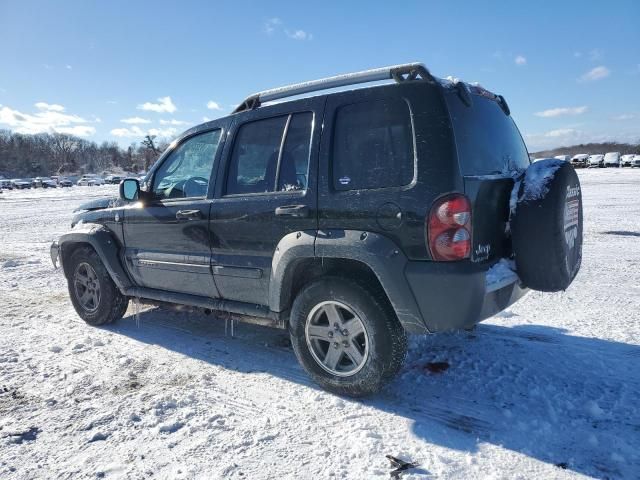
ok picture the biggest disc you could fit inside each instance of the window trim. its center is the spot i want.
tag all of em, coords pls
(171, 151)
(406, 186)
(283, 139)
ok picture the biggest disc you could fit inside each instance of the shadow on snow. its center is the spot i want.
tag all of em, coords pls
(565, 400)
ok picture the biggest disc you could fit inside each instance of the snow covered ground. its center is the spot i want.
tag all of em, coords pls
(547, 389)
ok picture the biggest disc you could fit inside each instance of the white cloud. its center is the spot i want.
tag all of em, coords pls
(596, 73)
(49, 106)
(625, 116)
(164, 105)
(556, 112)
(68, 67)
(271, 25)
(520, 60)
(50, 118)
(596, 54)
(206, 119)
(78, 130)
(137, 132)
(128, 132)
(135, 121)
(562, 132)
(163, 132)
(572, 136)
(173, 121)
(211, 105)
(275, 25)
(299, 35)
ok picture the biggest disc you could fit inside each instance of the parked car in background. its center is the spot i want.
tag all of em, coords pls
(612, 159)
(6, 184)
(64, 182)
(636, 161)
(43, 182)
(627, 160)
(48, 183)
(595, 161)
(21, 183)
(580, 160)
(564, 158)
(90, 180)
(113, 179)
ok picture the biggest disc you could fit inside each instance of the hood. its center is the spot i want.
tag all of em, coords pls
(100, 203)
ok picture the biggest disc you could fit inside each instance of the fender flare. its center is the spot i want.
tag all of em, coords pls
(378, 252)
(105, 245)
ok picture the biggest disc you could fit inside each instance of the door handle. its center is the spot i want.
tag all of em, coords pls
(293, 211)
(188, 214)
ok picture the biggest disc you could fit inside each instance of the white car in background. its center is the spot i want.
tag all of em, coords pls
(636, 161)
(580, 160)
(564, 158)
(90, 180)
(612, 159)
(595, 161)
(627, 160)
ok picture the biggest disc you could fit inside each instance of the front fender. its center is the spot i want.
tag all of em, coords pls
(102, 240)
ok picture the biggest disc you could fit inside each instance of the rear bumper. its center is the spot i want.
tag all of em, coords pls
(458, 295)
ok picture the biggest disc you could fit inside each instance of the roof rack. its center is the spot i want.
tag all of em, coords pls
(399, 73)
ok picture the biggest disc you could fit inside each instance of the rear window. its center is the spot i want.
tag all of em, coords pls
(487, 139)
(373, 145)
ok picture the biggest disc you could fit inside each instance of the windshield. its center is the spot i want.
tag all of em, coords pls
(487, 139)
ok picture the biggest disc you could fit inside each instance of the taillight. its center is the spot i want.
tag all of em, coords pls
(449, 228)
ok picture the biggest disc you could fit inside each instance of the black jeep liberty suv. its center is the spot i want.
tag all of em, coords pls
(351, 218)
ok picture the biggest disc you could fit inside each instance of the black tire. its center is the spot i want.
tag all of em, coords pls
(387, 341)
(547, 226)
(111, 304)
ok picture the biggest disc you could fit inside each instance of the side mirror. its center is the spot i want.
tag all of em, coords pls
(130, 189)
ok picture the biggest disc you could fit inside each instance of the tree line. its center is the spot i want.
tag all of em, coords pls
(592, 148)
(45, 154)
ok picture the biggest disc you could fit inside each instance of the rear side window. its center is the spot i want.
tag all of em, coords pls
(487, 139)
(262, 162)
(373, 145)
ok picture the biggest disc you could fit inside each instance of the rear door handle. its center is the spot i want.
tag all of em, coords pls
(188, 214)
(293, 211)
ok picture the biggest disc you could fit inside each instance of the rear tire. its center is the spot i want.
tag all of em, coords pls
(93, 294)
(347, 340)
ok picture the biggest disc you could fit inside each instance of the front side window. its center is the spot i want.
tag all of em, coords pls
(187, 171)
(373, 145)
(262, 162)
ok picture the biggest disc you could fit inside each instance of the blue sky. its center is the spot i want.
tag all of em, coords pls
(115, 70)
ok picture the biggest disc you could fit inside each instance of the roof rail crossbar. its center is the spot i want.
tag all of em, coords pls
(399, 73)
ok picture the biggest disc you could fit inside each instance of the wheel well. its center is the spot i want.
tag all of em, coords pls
(67, 249)
(306, 270)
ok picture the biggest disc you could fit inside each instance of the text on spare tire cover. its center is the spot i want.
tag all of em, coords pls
(571, 215)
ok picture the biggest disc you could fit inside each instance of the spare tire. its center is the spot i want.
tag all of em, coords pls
(546, 225)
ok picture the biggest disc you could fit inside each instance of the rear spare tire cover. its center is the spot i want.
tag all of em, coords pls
(546, 225)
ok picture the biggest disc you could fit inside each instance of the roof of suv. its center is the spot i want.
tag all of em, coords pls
(409, 72)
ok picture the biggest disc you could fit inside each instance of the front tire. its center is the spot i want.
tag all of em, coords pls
(347, 340)
(93, 294)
